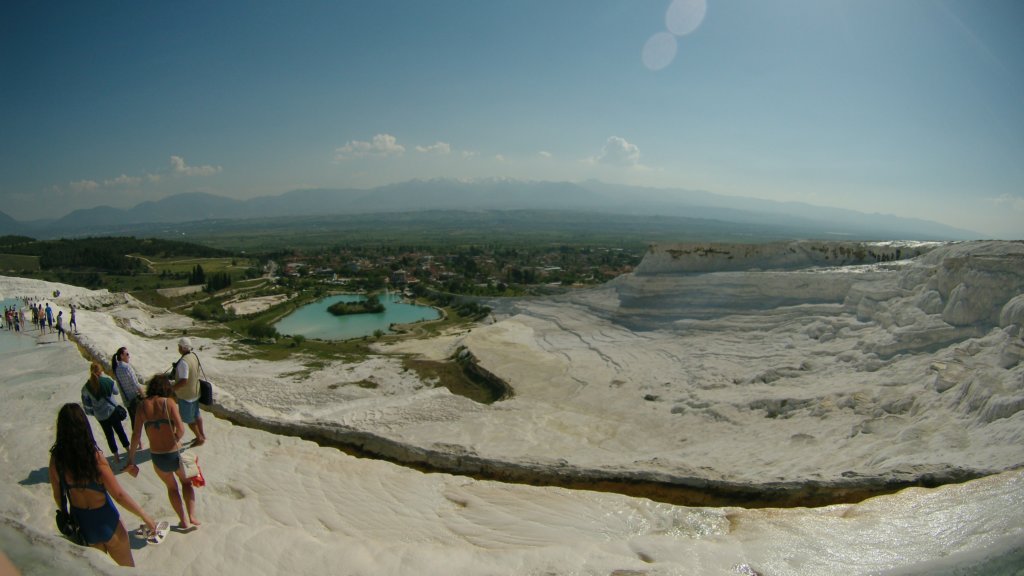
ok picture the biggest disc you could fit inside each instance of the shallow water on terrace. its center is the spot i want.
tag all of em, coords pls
(314, 321)
(11, 341)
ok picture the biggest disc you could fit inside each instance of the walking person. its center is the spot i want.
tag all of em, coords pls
(60, 326)
(98, 399)
(78, 463)
(127, 380)
(73, 324)
(186, 389)
(49, 317)
(159, 415)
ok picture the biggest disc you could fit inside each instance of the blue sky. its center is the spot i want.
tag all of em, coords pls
(907, 107)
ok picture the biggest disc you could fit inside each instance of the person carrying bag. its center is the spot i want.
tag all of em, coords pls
(98, 400)
(159, 417)
(186, 386)
(85, 489)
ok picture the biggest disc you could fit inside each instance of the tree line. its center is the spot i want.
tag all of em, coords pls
(214, 282)
(371, 304)
(101, 254)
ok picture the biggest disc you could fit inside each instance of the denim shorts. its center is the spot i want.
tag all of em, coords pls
(169, 462)
(189, 410)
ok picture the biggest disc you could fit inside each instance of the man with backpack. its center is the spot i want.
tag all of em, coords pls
(186, 389)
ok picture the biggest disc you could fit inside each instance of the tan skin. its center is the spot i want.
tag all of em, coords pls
(6, 567)
(156, 408)
(119, 546)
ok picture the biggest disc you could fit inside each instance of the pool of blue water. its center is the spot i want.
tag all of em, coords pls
(314, 321)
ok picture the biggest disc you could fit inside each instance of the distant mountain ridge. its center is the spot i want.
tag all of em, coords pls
(493, 194)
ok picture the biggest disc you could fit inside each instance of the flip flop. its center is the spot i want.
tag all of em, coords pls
(142, 531)
(162, 528)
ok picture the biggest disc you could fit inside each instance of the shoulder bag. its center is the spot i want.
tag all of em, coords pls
(66, 523)
(120, 413)
(205, 386)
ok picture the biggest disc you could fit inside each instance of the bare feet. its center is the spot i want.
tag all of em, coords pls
(198, 441)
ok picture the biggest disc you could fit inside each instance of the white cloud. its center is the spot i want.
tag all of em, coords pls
(499, 157)
(618, 152)
(1009, 202)
(436, 148)
(84, 185)
(382, 145)
(544, 154)
(178, 166)
(123, 180)
(469, 154)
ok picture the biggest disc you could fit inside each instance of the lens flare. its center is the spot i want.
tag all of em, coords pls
(684, 16)
(659, 51)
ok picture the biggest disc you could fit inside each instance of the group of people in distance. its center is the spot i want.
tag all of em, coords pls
(14, 318)
(44, 317)
(162, 411)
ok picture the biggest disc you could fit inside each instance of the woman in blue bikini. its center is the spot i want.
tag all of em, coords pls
(159, 415)
(90, 485)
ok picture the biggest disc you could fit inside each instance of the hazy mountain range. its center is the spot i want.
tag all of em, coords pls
(791, 218)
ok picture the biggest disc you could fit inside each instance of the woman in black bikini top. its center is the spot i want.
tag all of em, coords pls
(158, 415)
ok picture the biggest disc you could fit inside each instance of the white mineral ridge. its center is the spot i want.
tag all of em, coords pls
(887, 371)
(793, 374)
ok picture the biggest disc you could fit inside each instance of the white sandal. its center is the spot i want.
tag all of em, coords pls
(157, 536)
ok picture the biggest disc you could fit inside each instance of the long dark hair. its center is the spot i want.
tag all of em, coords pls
(116, 359)
(75, 448)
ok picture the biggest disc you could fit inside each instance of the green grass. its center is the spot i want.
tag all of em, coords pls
(313, 353)
(451, 376)
(19, 263)
(232, 265)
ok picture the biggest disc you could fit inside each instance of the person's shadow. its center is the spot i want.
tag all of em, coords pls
(141, 457)
(37, 476)
(41, 475)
